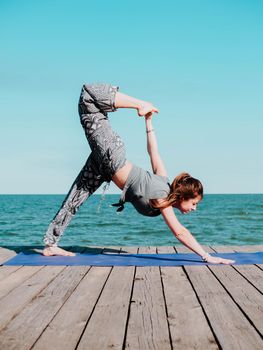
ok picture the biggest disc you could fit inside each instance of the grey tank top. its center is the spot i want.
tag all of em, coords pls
(140, 187)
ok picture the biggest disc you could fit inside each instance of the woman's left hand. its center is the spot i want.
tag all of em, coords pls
(218, 260)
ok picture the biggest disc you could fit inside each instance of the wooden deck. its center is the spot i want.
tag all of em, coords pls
(85, 307)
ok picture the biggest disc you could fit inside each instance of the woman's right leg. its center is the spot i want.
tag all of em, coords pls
(96, 100)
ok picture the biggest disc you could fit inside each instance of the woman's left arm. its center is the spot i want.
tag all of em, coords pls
(185, 237)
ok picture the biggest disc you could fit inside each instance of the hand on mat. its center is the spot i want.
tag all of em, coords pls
(50, 251)
(147, 109)
(218, 260)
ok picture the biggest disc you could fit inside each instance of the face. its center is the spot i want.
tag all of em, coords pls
(188, 205)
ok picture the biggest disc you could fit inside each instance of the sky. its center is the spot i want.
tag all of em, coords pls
(199, 61)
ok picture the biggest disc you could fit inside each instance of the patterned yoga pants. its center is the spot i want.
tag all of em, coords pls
(107, 155)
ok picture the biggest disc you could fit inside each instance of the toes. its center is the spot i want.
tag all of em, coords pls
(59, 252)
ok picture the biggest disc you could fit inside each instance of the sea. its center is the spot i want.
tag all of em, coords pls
(221, 219)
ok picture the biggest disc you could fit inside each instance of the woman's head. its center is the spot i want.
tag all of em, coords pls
(185, 193)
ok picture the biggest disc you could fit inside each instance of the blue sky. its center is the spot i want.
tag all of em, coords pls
(199, 62)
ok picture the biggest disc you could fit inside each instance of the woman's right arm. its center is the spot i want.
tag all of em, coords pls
(152, 148)
(185, 237)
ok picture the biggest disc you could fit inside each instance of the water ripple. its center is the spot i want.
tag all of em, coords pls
(220, 219)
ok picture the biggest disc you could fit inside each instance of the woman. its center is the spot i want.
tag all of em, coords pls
(149, 193)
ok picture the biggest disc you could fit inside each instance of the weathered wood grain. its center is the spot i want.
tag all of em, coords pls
(191, 307)
(18, 298)
(16, 278)
(249, 248)
(129, 250)
(5, 271)
(251, 272)
(6, 254)
(38, 313)
(106, 327)
(231, 328)
(188, 325)
(147, 326)
(65, 329)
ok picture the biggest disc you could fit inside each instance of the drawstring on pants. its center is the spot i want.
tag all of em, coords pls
(103, 195)
(121, 202)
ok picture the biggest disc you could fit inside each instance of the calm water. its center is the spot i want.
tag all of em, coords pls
(220, 219)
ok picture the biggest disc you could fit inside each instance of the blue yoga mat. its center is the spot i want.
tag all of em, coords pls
(130, 259)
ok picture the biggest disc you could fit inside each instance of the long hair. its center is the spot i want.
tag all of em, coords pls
(183, 187)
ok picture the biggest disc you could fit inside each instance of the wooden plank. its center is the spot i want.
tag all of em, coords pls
(147, 326)
(36, 315)
(7, 270)
(16, 278)
(183, 249)
(6, 254)
(112, 249)
(15, 301)
(249, 299)
(251, 272)
(249, 248)
(65, 330)
(129, 250)
(231, 328)
(165, 249)
(106, 327)
(189, 328)
(93, 249)
(238, 248)
(148, 250)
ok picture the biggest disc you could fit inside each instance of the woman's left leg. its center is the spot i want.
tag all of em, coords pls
(108, 155)
(86, 183)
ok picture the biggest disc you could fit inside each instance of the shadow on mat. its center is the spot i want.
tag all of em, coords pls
(75, 249)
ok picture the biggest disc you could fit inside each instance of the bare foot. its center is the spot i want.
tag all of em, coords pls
(146, 108)
(50, 251)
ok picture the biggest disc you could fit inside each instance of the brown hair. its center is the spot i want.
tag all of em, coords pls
(183, 187)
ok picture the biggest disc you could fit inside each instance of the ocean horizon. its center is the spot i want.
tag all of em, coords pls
(221, 219)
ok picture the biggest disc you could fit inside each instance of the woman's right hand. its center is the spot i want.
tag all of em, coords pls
(146, 109)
